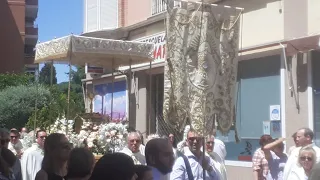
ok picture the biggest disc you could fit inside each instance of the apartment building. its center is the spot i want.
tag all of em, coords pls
(18, 35)
(278, 89)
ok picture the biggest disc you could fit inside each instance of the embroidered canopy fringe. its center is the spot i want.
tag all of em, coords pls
(201, 68)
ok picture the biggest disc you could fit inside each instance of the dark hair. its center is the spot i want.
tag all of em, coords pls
(80, 163)
(39, 131)
(140, 170)
(7, 161)
(51, 143)
(116, 166)
(153, 148)
(308, 132)
(14, 131)
(265, 139)
(8, 156)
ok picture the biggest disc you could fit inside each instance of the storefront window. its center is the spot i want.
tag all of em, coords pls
(258, 89)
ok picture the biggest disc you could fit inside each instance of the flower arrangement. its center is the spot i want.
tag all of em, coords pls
(100, 139)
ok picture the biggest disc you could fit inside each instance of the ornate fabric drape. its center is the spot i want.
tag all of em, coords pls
(201, 68)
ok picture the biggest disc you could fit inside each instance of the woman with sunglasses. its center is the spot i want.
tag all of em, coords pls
(306, 161)
(56, 154)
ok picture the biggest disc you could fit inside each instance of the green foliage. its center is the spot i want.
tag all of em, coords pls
(57, 106)
(78, 75)
(45, 75)
(8, 80)
(18, 103)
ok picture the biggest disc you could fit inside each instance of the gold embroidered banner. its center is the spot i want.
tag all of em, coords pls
(201, 67)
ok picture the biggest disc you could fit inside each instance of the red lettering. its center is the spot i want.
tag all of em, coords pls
(159, 53)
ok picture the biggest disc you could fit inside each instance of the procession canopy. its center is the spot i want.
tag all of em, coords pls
(201, 67)
(79, 50)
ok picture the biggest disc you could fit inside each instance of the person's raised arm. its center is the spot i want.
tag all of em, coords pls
(270, 146)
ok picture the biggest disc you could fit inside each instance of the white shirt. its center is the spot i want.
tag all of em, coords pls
(157, 175)
(297, 173)
(179, 171)
(222, 171)
(31, 162)
(138, 158)
(220, 149)
(291, 164)
(14, 148)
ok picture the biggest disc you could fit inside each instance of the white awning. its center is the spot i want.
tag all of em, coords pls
(80, 50)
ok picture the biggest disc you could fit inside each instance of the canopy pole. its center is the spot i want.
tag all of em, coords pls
(150, 95)
(51, 74)
(36, 105)
(129, 89)
(112, 91)
(68, 110)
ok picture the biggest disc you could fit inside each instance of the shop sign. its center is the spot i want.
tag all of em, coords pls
(159, 49)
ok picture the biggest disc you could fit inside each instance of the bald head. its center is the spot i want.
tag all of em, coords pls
(159, 154)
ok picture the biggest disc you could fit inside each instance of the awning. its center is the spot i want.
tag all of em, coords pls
(80, 50)
(302, 44)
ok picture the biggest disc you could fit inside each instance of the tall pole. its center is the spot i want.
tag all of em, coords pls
(68, 99)
(112, 91)
(36, 104)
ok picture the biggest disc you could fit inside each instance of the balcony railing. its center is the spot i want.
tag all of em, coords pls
(32, 2)
(158, 6)
(31, 31)
(29, 51)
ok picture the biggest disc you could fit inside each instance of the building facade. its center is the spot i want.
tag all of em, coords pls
(19, 35)
(278, 81)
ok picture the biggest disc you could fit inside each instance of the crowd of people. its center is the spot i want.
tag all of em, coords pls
(270, 162)
(53, 157)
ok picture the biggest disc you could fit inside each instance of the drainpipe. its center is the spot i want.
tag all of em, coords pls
(289, 78)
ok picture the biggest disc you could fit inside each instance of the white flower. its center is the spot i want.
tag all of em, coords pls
(90, 144)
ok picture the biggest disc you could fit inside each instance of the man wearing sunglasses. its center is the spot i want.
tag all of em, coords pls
(4, 143)
(32, 158)
(191, 165)
(304, 138)
(15, 144)
(133, 149)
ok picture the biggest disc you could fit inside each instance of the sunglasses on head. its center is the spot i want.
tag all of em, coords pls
(4, 141)
(305, 158)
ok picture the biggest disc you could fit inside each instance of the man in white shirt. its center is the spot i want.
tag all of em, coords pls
(218, 162)
(219, 147)
(304, 138)
(15, 144)
(5, 140)
(192, 164)
(31, 160)
(133, 149)
(160, 157)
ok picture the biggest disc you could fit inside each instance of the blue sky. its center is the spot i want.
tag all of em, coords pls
(58, 18)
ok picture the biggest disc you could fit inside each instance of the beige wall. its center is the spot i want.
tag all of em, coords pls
(239, 173)
(138, 10)
(262, 21)
(313, 17)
